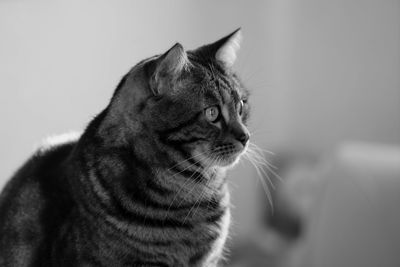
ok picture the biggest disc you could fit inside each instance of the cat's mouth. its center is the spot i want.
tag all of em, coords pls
(223, 155)
(227, 155)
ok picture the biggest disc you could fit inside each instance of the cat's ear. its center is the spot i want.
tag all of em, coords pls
(226, 54)
(225, 50)
(168, 68)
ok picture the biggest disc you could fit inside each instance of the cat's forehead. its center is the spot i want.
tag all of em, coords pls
(222, 91)
(221, 86)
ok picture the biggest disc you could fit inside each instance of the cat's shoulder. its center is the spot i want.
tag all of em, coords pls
(36, 189)
(53, 150)
(54, 142)
(48, 156)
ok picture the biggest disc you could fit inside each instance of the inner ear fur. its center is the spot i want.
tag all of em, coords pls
(169, 67)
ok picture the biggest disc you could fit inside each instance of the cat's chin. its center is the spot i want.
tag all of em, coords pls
(229, 162)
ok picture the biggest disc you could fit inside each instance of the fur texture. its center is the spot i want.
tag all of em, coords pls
(145, 183)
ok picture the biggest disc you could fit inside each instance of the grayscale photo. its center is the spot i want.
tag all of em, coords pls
(199, 133)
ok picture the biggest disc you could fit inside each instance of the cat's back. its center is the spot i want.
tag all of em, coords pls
(33, 205)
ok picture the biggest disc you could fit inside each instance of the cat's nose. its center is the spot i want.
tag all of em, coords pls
(243, 138)
(240, 133)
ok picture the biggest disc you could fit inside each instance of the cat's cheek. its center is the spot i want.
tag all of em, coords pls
(201, 154)
(230, 162)
(234, 162)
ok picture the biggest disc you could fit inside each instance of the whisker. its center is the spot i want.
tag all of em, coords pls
(260, 149)
(256, 156)
(258, 161)
(263, 161)
(260, 155)
(259, 131)
(198, 201)
(185, 160)
(263, 183)
(188, 182)
(193, 182)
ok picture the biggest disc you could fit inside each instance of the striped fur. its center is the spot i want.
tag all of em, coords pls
(145, 183)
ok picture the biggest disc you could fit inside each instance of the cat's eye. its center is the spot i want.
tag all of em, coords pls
(212, 113)
(239, 107)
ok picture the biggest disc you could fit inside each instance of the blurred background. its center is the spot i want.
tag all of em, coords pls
(325, 83)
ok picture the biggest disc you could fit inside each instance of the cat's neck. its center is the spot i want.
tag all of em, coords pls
(114, 174)
(121, 169)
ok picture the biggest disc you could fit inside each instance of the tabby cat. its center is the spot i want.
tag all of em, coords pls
(144, 185)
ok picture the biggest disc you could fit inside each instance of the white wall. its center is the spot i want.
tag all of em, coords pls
(339, 71)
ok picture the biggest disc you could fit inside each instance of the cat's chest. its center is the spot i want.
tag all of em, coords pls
(217, 247)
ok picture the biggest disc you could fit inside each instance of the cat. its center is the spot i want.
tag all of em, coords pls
(144, 185)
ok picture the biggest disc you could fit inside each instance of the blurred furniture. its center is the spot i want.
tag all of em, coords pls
(354, 217)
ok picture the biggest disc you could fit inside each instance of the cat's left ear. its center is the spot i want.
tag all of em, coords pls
(169, 67)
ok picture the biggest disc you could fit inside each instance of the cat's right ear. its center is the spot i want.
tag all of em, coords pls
(169, 67)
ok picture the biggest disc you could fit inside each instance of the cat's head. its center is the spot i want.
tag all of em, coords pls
(185, 104)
